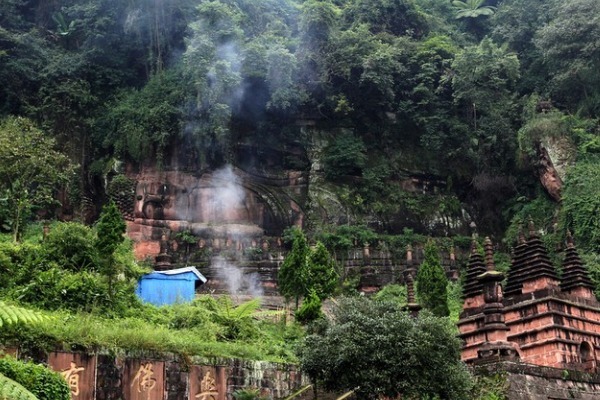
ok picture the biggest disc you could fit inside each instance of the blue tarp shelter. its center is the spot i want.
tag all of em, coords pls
(169, 287)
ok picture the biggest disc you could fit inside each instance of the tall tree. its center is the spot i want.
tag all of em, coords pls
(472, 9)
(307, 272)
(323, 275)
(398, 17)
(31, 170)
(484, 82)
(110, 229)
(432, 283)
(294, 272)
(569, 44)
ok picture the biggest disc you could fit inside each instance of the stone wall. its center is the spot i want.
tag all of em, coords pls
(109, 377)
(532, 382)
(374, 267)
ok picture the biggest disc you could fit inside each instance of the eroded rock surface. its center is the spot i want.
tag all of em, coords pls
(227, 204)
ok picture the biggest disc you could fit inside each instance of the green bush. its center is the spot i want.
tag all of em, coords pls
(20, 262)
(310, 309)
(190, 316)
(39, 380)
(388, 351)
(392, 292)
(581, 203)
(76, 291)
(345, 155)
(71, 245)
(345, 237)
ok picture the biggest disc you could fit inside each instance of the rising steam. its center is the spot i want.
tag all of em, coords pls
(237, 282)
(228, 196)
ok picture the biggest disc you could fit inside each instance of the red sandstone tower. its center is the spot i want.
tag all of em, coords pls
(540, 319)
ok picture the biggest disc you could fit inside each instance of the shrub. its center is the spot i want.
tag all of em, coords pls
(392, 292)
(389, 352)
(71, 245)
(310, 309)
(80, 291)
(345, 155)
(39, 380)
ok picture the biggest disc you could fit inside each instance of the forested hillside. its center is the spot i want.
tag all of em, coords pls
(490, 106)
(373, 125)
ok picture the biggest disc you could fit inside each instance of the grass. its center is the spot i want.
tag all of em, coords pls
(93, 333)
(207, 327)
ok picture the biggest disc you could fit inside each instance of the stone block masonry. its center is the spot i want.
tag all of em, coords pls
(532, 382)
(541, 318)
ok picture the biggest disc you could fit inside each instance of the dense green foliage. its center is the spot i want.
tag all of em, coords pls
(31, 170)
(310, 310)
(398, 90)
(42, 382)
(581, 204)
(432, 283)
(66, 271)
(377, 350)
(89, 318)
(206, 328)
(307, 272)
(293, 274)
(323, 273)
(419, 118)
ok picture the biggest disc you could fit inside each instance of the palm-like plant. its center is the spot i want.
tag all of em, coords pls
(236, 320)
(11, 390)
(9, 314)
(472, 9)
(62, 28)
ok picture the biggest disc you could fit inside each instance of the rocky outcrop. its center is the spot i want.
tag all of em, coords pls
(554, 157)
(227, 204)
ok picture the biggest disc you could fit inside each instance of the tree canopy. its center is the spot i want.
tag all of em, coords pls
(415, 86)
(307, 272)
(31, 171)
(375, 349)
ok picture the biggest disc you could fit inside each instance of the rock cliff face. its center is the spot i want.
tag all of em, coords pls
(229, 221)
(555, 155)
(226, 204)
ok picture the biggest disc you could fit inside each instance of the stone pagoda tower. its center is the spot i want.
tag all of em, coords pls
(540, 319)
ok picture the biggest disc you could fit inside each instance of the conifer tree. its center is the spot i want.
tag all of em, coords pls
(294, 272)
(110, 228)
(432, 282)
(323, 275)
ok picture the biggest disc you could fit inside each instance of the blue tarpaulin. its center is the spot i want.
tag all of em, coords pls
(169, 287)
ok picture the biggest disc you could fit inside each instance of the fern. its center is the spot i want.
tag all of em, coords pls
(11, 390)
(10, 314)
(237, 320)
(246, 309)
